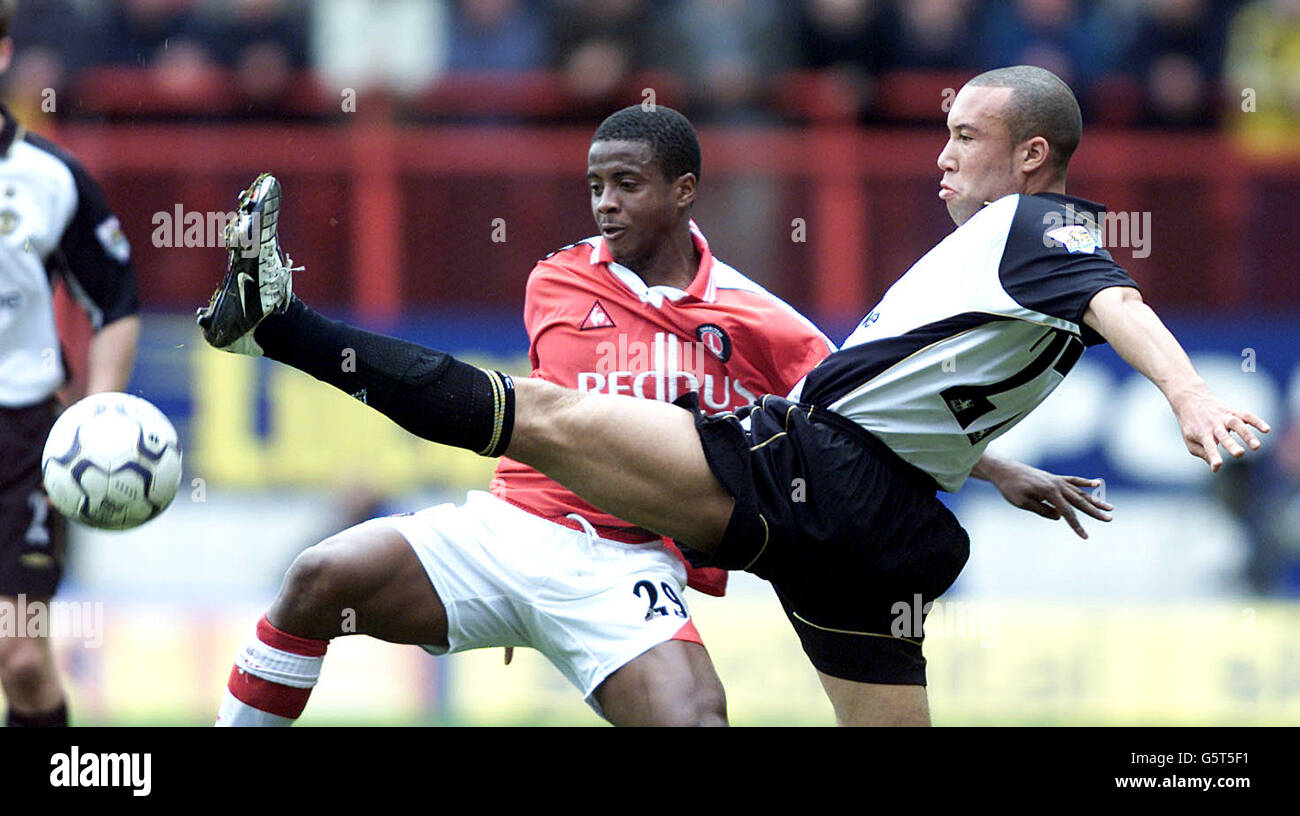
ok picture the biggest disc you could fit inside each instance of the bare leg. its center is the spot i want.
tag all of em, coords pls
(875, 703)
(638, 459)
(371, 576)
(27, 671)
(366, 580)
(673, 684)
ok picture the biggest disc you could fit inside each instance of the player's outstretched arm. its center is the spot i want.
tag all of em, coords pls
(1047, 494)
(1207, 422)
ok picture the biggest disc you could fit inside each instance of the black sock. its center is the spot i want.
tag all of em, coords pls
(429, 393)
(55, 718)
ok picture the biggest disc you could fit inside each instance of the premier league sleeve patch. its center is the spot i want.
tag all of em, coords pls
(715, 340)
(113, 240)
(1075, 238)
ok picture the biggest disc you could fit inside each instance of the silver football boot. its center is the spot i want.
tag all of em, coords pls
(259, 274)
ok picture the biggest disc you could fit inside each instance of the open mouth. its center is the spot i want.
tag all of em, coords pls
(612, 231)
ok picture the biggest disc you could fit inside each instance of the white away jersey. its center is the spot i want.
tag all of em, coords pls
(974, 336)
(54, 220)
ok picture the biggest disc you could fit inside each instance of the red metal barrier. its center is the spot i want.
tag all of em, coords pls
(390, 216)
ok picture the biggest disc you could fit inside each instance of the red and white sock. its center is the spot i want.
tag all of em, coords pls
(272, 678)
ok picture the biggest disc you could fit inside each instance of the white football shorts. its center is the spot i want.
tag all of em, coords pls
(510, 578)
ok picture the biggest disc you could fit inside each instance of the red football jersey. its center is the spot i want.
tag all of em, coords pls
(594, 325)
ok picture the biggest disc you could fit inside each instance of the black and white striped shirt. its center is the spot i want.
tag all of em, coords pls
(976, 334)
(54, 222)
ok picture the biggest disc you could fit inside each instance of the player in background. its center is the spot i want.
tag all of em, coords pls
(54, 222)
(533, 564)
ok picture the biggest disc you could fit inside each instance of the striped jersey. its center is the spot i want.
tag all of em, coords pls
(594, 325)
(975, 335)
(54, 222)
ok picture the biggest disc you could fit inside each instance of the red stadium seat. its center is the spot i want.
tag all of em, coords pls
(816, 96)
(488, 93)
(130, 90)
(917, 96)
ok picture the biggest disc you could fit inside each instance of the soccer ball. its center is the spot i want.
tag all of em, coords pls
(112, 461)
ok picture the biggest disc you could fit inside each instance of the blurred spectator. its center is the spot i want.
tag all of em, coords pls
(600, 45)
(1283, 533)
(1263, 495)
(934, 34)
(164, 36)
(46, 35)
(1155, 62)
(853, 39)
(141, 32)
(728, 51)
(264, 42)
(1073, 40)
(399, 45)
(1176, 55)
(1263, 67)
(497, 35)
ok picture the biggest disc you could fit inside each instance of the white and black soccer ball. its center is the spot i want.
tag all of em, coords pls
(112, 461)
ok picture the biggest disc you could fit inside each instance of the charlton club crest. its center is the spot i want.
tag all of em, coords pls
(715, 340)
(597, 318)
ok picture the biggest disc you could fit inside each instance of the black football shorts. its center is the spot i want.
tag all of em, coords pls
(32, 534)
(852, 538)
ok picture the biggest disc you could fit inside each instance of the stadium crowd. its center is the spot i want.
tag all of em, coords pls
(1163, 63)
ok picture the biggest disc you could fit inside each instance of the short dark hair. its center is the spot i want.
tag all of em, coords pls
(1040, 105)
(8, 10)
(672, 139)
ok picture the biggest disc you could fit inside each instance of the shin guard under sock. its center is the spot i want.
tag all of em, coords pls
(429, 393)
